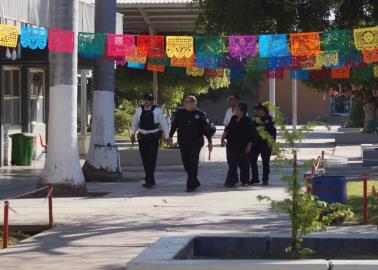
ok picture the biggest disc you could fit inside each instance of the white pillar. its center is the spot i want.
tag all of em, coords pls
(294, 103)
(83, 102)
(155, 85)
(272, 93)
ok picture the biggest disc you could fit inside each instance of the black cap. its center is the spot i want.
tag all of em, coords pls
(149, 96)
(259, 107)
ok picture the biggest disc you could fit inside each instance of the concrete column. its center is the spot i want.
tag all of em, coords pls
(83, 102)
(155, 85)
(272, 93)
(294, 85)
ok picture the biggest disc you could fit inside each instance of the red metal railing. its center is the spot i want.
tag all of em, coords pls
(7, 208)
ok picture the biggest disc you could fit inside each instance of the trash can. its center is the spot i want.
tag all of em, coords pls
(331, 189)
(22, 149)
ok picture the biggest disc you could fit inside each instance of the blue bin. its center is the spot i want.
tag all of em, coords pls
(331, 189)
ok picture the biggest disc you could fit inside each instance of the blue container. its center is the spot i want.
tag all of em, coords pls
(331, 189)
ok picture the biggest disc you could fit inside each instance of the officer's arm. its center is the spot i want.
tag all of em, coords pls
(272, 129)
(174, 125)
(164, 124)
(135, 121)
(207, 122)
(251, 132)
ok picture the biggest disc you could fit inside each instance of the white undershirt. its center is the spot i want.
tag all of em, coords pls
(227, 118)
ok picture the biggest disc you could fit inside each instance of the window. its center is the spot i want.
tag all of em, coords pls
(36, 90)
(340, 105)
(12, 96)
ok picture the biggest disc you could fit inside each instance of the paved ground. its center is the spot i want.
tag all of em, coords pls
(104, 233)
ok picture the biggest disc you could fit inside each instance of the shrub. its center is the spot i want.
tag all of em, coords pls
(357, 115)
(123, 116)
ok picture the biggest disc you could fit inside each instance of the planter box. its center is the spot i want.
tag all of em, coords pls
(241, 252)
(355, 138)
(83, 144)
(131, 157)
(349, 130)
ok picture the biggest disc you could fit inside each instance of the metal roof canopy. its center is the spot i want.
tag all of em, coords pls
(158, 16)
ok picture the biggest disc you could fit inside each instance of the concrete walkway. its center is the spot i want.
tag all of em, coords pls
(106, 232)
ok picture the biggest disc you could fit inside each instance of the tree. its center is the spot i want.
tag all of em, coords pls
(285, 16)
(102, 163)
(306, 212)
(131, 84)
(62, 167)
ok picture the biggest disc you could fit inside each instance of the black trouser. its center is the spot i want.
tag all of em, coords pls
(265, 153)
(148, 148)
(190, 156)
(237, 157)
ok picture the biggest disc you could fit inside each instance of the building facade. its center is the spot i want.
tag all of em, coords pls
(24, 77)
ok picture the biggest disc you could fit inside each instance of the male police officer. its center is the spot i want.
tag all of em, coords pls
(263, 123)
(191, 125)
(147, 119)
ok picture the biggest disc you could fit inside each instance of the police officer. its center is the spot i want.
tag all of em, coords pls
(192, 125)
(147, 119)
(266, 135)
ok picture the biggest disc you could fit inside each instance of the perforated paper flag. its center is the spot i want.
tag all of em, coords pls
(179, 46)
(196, 72)
(61, 40)
(242, 46)
(158, 68)
(121, 45)
(305, 44)
(91, 45)
(33, 38)
(327, 59)
(8, 35)
(210, 44)
(182, 62)
(366, 38)
(370, 56)
(340, 73)
(273, 46)
(274, 73)
(151, 45)
(299, 74)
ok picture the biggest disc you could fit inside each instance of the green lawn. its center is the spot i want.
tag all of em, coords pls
(355, 198)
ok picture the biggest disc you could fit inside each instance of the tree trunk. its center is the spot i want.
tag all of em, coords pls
(370, 110)
(102, 163)
(62, 167)
(295, 244)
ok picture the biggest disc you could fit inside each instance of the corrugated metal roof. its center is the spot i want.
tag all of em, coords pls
(163, 16)
(154, 1)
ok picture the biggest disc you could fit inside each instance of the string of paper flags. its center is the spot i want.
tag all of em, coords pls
(337, 54)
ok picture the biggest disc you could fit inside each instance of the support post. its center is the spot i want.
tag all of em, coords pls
(272, 92)
(294, 85)
(83, 102)
(365, 201)
(5, 225)
(155, 86)
(50, 196)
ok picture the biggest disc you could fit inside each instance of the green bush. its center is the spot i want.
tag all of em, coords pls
(123, 117)
(356, 118)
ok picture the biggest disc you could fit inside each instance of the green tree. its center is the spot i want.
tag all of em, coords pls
(285, 16)
(131, 84)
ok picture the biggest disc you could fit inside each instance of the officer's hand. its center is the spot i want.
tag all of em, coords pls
(169, 142)
(223, 142)
(210, 146)
(132, 139)
(248, 148)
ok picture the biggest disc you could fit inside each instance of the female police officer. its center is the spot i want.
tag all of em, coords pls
(191, 125)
